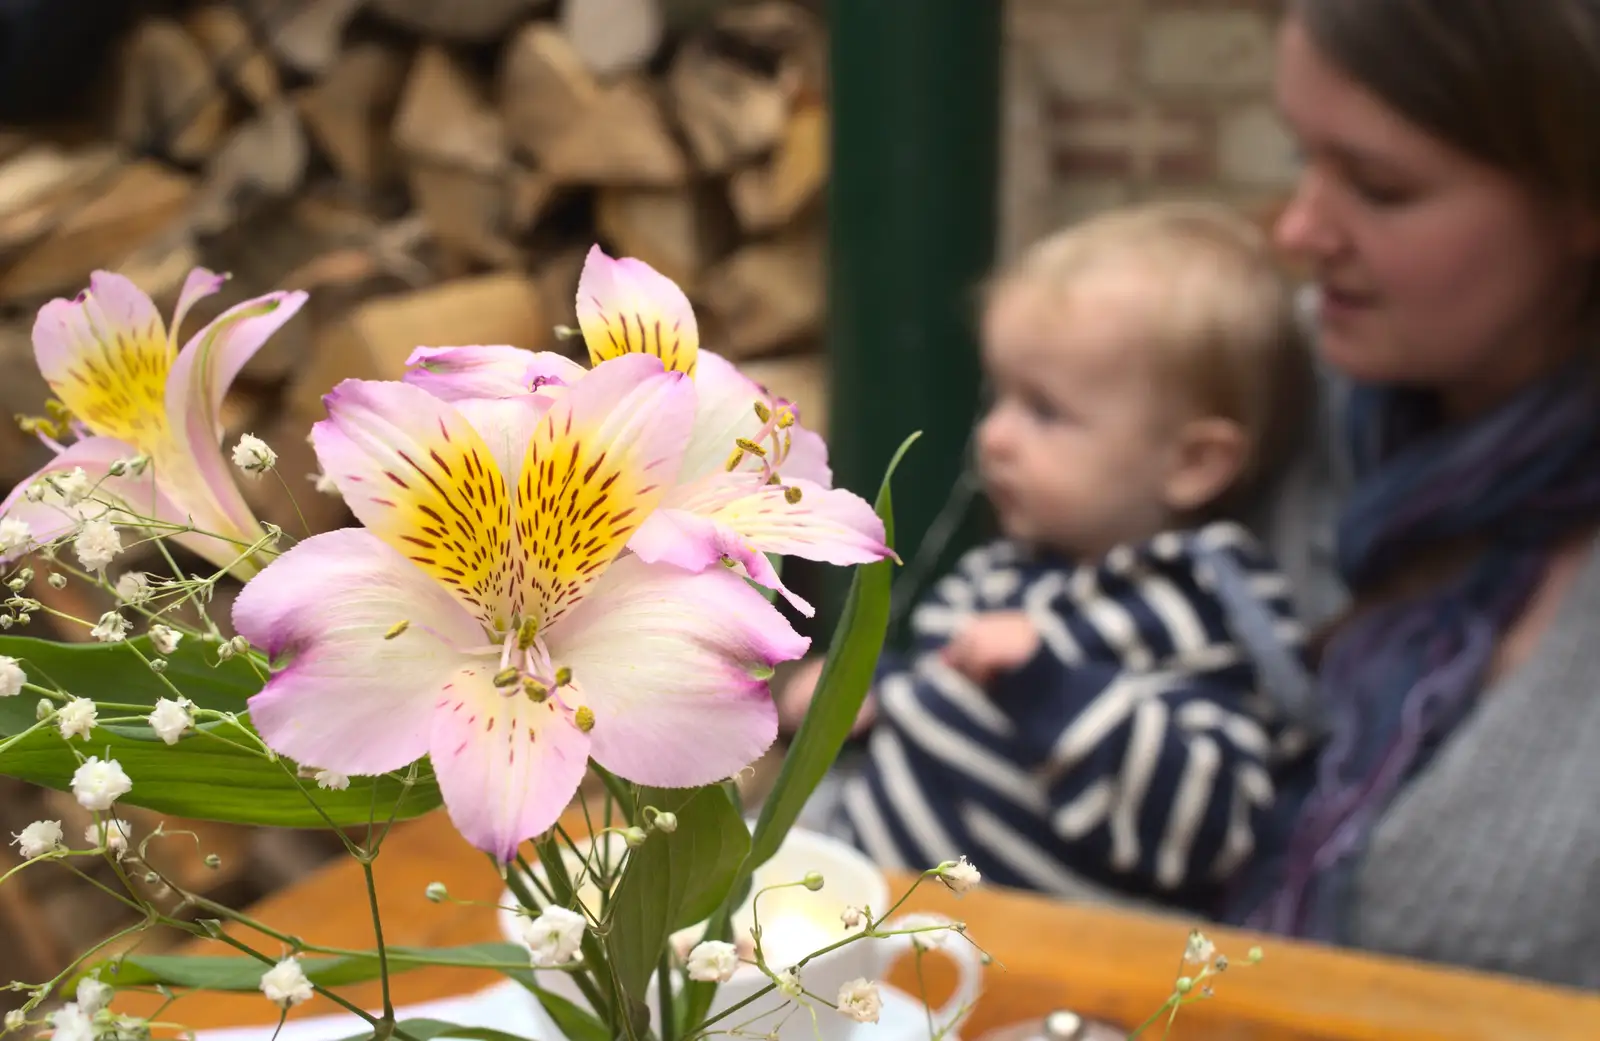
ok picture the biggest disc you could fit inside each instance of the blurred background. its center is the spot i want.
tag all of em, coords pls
(828, 183)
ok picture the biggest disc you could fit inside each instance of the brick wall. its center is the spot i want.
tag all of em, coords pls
(1110, 101)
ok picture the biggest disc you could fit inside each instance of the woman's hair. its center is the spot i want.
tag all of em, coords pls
(1512, 83)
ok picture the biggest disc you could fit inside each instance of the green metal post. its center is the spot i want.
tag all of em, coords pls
(912, 204)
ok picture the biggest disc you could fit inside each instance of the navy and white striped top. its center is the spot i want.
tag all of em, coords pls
(1135, 750)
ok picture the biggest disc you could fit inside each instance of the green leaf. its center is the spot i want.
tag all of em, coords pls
(219, 772)
(112, 672)
(846, 677)
(673, 880)
(428, 1029)
(576, 1024)
(240, 973)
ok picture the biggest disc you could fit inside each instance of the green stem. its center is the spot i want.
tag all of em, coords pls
(664, 990)
(377, 930)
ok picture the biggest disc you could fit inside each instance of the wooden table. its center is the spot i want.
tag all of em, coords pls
(1104, 963)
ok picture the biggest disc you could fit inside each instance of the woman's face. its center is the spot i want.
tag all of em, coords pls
(1435, 269)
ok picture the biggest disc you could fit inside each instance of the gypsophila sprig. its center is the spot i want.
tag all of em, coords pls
(99, 783)
(713, 961)
(253, 455)
(286, 985)
(12, 677)
(38, 839)
(171, 718)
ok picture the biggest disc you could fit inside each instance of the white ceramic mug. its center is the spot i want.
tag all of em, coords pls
(795, 922)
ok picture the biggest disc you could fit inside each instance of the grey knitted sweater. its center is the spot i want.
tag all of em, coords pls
(1490, 857)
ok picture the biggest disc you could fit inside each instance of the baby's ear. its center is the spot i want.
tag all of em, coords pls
(1209, 455)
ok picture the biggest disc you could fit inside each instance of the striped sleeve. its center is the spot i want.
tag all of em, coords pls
(1152, 774)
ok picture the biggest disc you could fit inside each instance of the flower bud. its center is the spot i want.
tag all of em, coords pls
(666, 822)
(213, 861)
(43, 709)
(57, 580)
(436, 893)
(1184, 985)
(812, 881)
(634, 837)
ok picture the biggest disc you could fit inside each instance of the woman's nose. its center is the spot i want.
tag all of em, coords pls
(1307, 228)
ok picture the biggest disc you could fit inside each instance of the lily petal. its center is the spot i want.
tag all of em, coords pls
(105, 354)
(832, 525)
(627, 307)
(807, 459)
(698, 541)
(191, 466)
(420, 478)
(506, 766)
(726, 413)
(457, 373)
(350, 700)
(602, 458)
(199, 285)
(673, 667)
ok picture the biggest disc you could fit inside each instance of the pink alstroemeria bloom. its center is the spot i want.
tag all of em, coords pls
(485, 617)
(754, 481)
(130, 392)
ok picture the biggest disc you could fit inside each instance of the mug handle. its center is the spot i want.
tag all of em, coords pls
(968, 961)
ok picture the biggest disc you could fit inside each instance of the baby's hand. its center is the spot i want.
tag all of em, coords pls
(795, 700)
(991, 644)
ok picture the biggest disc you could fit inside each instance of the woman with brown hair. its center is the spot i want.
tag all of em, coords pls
(1449, 208)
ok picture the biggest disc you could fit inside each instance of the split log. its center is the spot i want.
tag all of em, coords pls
(460, 21)
(768, 295)
(677, 231)
(773, 194)
(142, 200)
(348, 112)
(729, 112)
(168, 98)
(264, 157)
(578, 130)
(230, 45)
(613, 36)
(457, 159)
(306, 35)
(374, 341)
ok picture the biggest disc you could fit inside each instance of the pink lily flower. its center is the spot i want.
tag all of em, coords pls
(127, 392)
(486, 617)
(754, 481)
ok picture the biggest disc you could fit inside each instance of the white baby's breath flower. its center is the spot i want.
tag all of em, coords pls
(72, 1023)
(16, 1019)
(861, 1001)
(93, 995)
(958, 875)
(713, 961)
(100, 782)
(133, 587)
(74, 486)
(11, 677)
(98, 543)
(285, 984)
(116, 832)
(14, 534)
(38, 838)
(1199, 950)
(253, 455)
(77, 718)
(171, 718)
(789, 984)
(164, 639)
(112, 628)
(852, 917)
(332, 780)
(553, 938)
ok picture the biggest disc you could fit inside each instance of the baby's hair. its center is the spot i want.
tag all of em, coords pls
(1222, 328)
